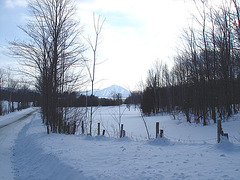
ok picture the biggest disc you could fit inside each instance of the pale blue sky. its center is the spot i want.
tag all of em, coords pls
(136, 33)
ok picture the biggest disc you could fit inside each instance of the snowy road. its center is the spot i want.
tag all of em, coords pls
(10, 126)
(21, 157)
(16, 116)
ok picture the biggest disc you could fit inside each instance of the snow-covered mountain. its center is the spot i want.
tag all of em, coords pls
(110, 91)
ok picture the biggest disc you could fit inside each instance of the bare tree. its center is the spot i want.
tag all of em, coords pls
(2, 78)
(91, 66)
(50, 53)
(11, 84)
(118, 116)
(144, 122)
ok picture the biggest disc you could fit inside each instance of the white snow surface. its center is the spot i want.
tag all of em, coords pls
(187, 151)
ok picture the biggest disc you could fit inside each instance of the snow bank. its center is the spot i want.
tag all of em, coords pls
(160, 142)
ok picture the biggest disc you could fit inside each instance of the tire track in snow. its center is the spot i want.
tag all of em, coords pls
(8, 135)
(30, 161)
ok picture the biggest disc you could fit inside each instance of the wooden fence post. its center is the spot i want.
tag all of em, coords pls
(161, 133)
(157, 129)
(82, 127)
(121, 131)
(103, 132)
(98, 129)
(64, 128)
(219, 130)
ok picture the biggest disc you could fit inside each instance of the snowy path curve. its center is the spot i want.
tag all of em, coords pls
(16, 116)
(20, 155)
(29, 154)
(10, 126)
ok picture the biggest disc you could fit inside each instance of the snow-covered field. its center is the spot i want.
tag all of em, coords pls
(188, 151)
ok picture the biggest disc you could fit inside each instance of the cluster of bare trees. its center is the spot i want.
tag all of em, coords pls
(50, 54)
(205, 80)
(14, 92)
(54, 57)
(156, 95)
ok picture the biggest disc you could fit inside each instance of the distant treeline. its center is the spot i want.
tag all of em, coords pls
(134, 98)
(73, 100)
(19, 95)
(24, 96)
(17, 99)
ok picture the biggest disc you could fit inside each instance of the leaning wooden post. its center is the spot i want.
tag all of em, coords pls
(219, 130)
(103, 132)
(161, 133)
(121, 131)
(98, 129)
(157, 129)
